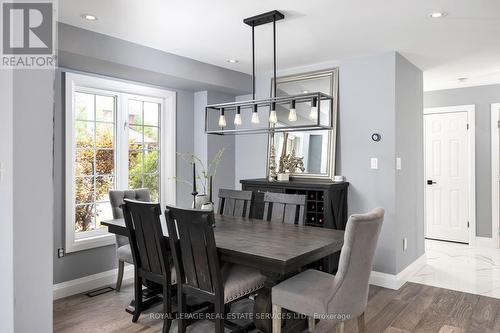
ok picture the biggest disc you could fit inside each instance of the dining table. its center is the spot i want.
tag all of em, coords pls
(278, 250)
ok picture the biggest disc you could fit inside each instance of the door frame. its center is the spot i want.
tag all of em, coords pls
(495, 172)
(471, 140)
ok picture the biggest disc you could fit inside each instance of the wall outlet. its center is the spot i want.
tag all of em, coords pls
(405, 244)
(398, 163)
(60, 252)
(374, 163)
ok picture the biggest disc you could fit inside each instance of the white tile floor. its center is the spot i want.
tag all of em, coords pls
(461, 267)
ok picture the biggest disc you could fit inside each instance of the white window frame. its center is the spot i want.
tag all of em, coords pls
(123, 91)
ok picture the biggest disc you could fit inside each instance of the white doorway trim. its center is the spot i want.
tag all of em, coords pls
(471, 119)
(495, 172)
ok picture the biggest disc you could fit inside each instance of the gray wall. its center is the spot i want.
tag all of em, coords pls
(7, 223)
(127, 61)
(32, 199)
(368, 103)
(225, 171)
(207, 146)
(409, 147)
(481, 97)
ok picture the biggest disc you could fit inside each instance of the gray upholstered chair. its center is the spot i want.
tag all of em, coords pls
(123, 251)
(284, 208)
(340, 297)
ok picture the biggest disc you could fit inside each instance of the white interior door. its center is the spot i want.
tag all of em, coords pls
(447, 176)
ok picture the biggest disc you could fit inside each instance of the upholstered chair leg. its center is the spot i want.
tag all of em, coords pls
(340, 327)
(361, 323)
(276, 318)
(119, 279)
(311, 324)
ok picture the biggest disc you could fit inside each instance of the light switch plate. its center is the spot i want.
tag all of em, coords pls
(374, 163)
(398, 163)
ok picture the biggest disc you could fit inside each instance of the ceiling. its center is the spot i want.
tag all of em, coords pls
(465, 43)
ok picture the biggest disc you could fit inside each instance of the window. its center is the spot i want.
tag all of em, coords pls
(144, 153)
(114, 140)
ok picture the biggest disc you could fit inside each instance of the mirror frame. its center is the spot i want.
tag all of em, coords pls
(334, 75)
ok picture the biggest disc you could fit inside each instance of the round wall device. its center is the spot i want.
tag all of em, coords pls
(376, 137)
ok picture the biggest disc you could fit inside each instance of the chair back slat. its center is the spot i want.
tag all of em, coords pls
(234, 202)
(284, 208)
(149, 248)
(194, 250)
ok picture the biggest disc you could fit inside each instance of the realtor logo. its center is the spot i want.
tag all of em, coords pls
(27, 35)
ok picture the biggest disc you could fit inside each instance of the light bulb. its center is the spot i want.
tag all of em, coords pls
(273, 119)
(314, 110)
(237, 119)
(255, 118)
(222, 118)
(255, 115)
(222, 121)
(292, 115)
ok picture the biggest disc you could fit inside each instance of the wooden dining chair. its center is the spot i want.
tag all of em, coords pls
(284, 208)
(123, 251)
(199, 271)
(342, 296)
(151, 254)
(234, 202)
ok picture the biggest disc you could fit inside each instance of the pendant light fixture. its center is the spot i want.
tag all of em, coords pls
(272, 103)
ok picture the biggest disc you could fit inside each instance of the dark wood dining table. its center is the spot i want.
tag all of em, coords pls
(278, 250)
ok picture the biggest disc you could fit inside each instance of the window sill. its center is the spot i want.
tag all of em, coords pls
(90, 243)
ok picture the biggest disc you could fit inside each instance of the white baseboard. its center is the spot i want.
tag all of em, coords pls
(485, 242)
(86, 283)
(395, 282)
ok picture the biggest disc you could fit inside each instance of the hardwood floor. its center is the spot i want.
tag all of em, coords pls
(413, 308)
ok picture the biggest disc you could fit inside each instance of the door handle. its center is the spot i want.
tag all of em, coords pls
(430, 182)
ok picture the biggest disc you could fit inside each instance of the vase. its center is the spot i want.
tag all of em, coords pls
(207, 206)
(283, 177)
(201, 199)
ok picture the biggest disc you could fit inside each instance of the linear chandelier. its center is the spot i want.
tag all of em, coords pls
(216, 115)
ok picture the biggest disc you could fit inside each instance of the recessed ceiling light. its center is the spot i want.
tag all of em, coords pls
(89, 17)
(462, 79)
(437, 14)
(305, 91)
(232, 61)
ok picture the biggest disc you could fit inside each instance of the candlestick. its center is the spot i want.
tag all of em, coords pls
(210, 190)
(194, 177)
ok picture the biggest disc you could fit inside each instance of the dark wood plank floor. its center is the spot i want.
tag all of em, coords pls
(413, 308)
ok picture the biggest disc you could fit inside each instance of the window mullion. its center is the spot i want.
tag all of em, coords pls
(122, 141)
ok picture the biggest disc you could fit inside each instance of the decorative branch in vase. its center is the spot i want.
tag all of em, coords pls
(202, 197)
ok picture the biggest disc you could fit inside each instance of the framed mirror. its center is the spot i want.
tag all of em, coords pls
(316, 148)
